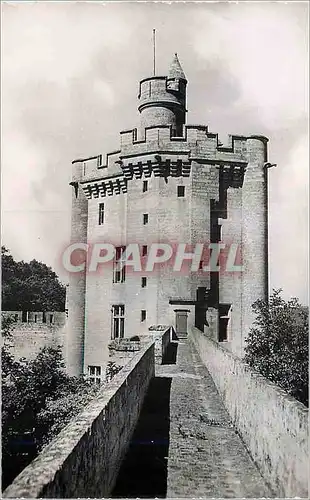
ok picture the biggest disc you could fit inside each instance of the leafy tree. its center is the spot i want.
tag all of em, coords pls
(38, 399)
(30, 286)
(277, 345)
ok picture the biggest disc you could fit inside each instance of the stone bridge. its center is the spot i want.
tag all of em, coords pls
(183, 418)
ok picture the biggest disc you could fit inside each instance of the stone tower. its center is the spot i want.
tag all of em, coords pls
(162, 100)
(167, 183)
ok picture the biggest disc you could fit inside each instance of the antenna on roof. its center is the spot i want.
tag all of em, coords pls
(154, 51)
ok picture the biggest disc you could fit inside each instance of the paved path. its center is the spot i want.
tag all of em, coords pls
(206, 456)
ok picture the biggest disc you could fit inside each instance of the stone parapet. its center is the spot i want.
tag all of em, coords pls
(272, 424)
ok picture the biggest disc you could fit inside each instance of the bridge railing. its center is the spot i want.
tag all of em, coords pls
(84, 459)
(272, 424)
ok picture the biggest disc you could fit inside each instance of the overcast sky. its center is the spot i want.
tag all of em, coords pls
(70, 74)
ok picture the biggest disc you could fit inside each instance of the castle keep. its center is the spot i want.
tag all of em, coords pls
(168, 183)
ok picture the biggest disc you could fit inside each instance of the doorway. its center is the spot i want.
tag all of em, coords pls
(181, 322)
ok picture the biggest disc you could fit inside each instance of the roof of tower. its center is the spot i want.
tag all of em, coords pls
(176, 70)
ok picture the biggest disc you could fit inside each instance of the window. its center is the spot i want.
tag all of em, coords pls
(145, 218)
(143, 282)
(99, 160)
(219, 233)
(101, 214)
(94, 374)
(35, 318)
(145, 186)
(181, 191)
(144, 250)
(84, 168)
(119, 268)
(143, 315)
(224, 320)
(51, 318)
(118, 318)
(44, 317)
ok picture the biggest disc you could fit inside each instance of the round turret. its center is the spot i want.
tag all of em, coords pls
(162, 99)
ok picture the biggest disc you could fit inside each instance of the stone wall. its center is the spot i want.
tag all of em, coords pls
(273, 425)
(28, 338)
(83, 461)
(122, 350)
(162, 338)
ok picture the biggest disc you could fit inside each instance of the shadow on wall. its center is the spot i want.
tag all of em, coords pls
(170, 356)
(143, 473)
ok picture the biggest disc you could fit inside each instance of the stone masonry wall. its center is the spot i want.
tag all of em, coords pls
(83, 460)
(125, 349)
(273, 425)
(27, 339)
(162, 338)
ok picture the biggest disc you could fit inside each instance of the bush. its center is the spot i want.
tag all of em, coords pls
(112, 370)
(38, 399)
(277, 345)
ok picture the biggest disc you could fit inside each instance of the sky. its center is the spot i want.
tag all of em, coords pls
(70, 73)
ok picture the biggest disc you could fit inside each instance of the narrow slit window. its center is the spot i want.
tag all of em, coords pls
(143, 282)
(99, 160)
(181, 191)
(143, 315)
(224, 322)
(144, 250)
(145, 186)
(145, 219)
(101, 214)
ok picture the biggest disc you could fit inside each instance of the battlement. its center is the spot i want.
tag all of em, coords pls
(196, 141)
(161, 154)
(51, 318)
(195, 138)
(93, 167)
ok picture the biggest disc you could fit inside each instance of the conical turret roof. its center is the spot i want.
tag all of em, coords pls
(175, 70)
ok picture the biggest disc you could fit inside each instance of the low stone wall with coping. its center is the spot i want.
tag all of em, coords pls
(84, 459)
(272, 424)
(161, 335)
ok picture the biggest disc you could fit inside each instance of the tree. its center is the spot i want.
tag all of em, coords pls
(277, 345)
(38, 399)
(30, 286)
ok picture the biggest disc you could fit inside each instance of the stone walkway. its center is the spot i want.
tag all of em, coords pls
(206, 457)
